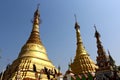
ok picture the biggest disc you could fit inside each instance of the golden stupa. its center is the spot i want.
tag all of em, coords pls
(82, 63)
(32, 62)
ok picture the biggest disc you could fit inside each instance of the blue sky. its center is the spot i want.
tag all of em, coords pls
(57, 28)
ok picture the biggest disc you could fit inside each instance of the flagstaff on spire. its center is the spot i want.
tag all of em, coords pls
(75, 17)
(95, 27)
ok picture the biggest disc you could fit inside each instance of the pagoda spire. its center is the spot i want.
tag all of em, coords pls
(101, 52)
(80, 45)
(35, 34)
(112, 62)
(33, 58)
(82, 62)
(104, 61)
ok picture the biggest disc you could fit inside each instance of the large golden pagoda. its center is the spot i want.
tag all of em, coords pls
(32, 62)
(82, 63)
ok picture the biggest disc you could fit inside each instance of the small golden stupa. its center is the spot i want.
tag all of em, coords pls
(82, 63)
(32, 62)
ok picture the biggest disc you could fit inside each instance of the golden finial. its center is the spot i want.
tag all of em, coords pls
(36, 16)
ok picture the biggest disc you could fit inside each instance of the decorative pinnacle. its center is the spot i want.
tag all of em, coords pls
(96, 32)
(76, 24)
(34, 37)
(36, 16)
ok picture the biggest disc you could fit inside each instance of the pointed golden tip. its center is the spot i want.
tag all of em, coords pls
(76, 24)
(37, 13)
(36, 16)
(37, 10)
(34, 37)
